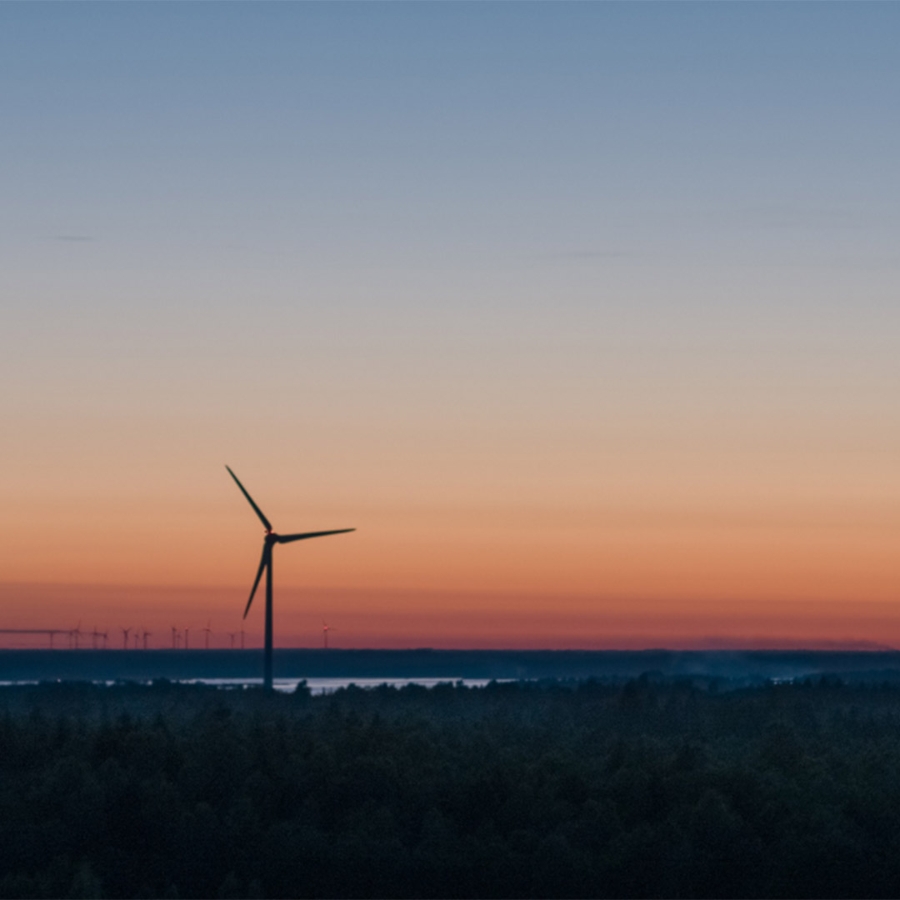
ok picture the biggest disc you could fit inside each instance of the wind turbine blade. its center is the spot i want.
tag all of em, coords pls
(258, 511)
(262, 567)
(287, 538)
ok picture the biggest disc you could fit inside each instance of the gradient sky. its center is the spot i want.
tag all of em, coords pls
(585, 315)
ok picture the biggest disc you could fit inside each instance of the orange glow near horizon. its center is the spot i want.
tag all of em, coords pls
(537, 512)
(675, 561)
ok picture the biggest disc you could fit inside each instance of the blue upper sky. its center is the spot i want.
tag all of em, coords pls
(420, 134)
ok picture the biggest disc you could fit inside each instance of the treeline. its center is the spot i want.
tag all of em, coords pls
(513, 790)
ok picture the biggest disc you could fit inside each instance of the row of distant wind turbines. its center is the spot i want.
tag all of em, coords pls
(180, 637)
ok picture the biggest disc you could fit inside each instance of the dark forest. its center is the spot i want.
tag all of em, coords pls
(526, 789)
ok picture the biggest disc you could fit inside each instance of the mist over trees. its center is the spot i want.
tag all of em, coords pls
(514, 790)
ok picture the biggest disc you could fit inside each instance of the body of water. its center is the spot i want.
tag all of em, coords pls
(316, 685)
(329, 685)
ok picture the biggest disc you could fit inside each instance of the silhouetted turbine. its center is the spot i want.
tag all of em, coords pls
(265, 565)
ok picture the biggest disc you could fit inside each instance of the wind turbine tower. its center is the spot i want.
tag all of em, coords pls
(125, 633)
(269, 542)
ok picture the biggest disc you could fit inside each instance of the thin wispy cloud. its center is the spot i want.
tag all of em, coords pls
(797, 217)
(589, 254)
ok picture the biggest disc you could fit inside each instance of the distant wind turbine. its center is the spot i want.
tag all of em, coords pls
(125, 633)
(207, 631)
(325, 629)
(269, 542)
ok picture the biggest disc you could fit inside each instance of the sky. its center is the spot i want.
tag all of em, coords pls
(584, 315)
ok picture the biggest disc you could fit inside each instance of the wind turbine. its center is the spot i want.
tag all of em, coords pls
(325, 629)
(125, 633)
(207, 631)
(269, 542)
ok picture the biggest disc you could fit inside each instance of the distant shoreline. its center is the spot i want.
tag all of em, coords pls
(745, 666)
